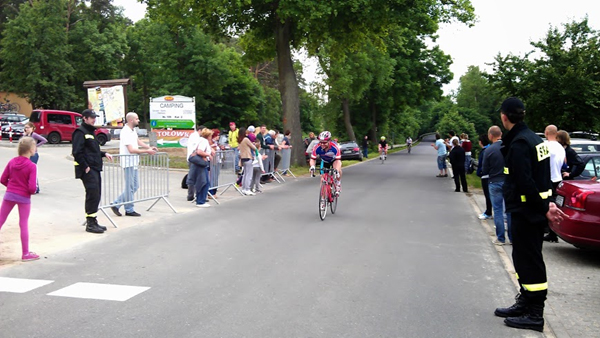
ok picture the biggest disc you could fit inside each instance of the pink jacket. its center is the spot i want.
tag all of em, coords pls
(19, 176)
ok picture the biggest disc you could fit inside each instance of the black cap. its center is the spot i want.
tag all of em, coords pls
(88, 113)
(512, 105)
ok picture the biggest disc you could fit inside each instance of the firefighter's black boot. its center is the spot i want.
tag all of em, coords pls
(519, 308)
(533, 320)
(92, 226)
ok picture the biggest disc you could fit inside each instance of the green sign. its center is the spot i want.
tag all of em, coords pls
(170, 123)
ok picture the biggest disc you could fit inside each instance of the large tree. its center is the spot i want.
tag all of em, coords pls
(284, 25)
(559, 80)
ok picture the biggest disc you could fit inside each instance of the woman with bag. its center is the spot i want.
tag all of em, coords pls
(200, 160)
(246, 148)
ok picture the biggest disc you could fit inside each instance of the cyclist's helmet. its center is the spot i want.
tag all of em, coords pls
(383, 138)
(325, 136)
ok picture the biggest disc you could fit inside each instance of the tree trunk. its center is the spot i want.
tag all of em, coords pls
(288, 88)
(373, 131)
(347, 122)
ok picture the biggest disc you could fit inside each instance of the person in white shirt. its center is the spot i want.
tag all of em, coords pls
(199, 173)
(557, 160)
(130, 146)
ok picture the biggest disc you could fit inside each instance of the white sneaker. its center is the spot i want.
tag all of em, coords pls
(484, 216)
(248, 193)
(205, 205)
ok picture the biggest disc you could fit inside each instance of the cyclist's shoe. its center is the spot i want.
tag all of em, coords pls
(338, 190)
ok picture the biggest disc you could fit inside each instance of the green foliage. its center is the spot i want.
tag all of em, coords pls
(33, 54)
(562, 85)
(452, 120)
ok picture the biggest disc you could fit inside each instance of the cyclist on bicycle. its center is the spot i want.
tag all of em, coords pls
(383, 146)
(330, 155)
(408, 141)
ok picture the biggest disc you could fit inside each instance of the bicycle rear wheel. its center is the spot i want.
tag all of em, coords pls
(334, 199)
(323, 201)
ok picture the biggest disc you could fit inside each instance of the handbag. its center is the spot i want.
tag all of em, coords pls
(198, 160)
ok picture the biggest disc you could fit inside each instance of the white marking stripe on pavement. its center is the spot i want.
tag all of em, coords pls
(100, 291)
(20, 285)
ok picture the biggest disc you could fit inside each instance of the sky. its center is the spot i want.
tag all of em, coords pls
(505, 27)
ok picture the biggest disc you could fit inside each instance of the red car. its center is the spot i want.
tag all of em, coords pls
(59, 125)
(580, 200)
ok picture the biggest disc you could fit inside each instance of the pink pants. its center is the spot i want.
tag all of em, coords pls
(24, 210)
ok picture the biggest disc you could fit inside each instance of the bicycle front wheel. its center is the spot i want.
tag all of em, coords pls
(323, 201)
(334, 199)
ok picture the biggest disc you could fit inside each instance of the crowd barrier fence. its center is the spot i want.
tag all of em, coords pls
(153, 181)
(222, 172)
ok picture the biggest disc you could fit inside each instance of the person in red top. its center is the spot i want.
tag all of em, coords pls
(19, 177)
(467, 146)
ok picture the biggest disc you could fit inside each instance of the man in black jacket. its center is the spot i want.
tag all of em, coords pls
(88, 165)
(527, 193)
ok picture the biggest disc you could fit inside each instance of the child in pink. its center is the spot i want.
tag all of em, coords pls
(19, 177)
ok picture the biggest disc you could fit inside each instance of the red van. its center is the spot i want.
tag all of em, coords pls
(59, 125)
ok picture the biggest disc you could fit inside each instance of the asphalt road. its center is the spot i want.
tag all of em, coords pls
(402, 257)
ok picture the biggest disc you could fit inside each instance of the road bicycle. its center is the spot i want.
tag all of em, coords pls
(382, 156)
(408, 146)
(328, 192)
(9, 107)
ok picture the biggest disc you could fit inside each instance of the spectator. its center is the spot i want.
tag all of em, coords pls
(88, 165)
(257, 166)
(214, 170)
(527, 188)
(467, 146)
(365, 146)
(440, 146)
(493, 166)
(19, 177)
(40, 140)
(246, 148)
(200, 157)
(450, 143)
(457, 161)
(557, 160)
(484, 143)
(575, 164)
(129, 149)
(311, 137)
(192, 144)
(233, 143)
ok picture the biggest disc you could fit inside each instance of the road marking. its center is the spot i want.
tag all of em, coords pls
(100, 291)
(20, 285)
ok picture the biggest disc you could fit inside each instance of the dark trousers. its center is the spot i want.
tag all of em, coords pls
(527, 257)
(93, 186)
(485, 185)
(459, 173)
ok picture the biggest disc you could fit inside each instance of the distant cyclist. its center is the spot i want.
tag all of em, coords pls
(383, 146)
(330, 155)
(408, 143)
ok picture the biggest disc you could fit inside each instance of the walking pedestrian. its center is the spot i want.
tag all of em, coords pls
(19, 177)
(365, 146)
(130, 146)
(40, 140)
(527, 194)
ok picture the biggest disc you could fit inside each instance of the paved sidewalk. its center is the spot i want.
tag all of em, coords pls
(57, 213)
(573, 305)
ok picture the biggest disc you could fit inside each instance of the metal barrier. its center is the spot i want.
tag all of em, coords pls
(222, 172)
(284, 164)
(152, 177)
(269, 165)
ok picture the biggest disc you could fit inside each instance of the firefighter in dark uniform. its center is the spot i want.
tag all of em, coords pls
(528, 197)
(88, 165)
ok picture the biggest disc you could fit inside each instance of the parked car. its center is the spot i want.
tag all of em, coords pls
(59, 125)
(11, 118)
(584, 134)
(585, 145)
(17, 130)
(580, 200)
(350, 151)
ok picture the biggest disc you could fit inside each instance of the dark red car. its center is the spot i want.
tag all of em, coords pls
(580, 200)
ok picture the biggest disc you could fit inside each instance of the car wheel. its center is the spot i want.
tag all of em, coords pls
(101, 139)
(54, 138)
(360, 158)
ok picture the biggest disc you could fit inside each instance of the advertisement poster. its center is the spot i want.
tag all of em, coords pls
(173, 112)
(109, 103)
(172, 138)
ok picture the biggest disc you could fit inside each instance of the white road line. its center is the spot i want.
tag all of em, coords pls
(100, 291)
(20, 285)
